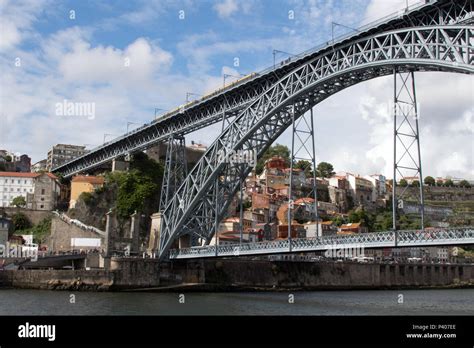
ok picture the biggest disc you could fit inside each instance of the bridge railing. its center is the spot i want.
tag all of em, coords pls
(435, 235)
(338, 39)
(402, 238)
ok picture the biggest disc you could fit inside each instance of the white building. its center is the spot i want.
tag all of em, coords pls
(379, 185)
(15, 184)
(40, 190)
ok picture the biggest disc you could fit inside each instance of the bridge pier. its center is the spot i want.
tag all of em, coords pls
(110, 227)
(154, 241)
(406, 140)
(134, 233)
(185, 241)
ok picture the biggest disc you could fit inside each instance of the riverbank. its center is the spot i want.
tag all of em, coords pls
(243, 275)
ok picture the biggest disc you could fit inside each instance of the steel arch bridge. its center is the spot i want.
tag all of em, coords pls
(433, 48)
(437, 36)
(232, 100)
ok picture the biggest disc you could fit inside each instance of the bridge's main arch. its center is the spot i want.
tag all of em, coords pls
(199, 204)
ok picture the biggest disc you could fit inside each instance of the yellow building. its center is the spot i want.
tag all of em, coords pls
(84, 183)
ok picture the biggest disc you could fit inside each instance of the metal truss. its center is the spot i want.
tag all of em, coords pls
(302, 148)
(443, 48)
(176, 168)
(234, 99)
(415, 238)
(406, 141)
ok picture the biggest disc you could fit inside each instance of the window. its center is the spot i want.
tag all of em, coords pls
(17, 190)
(42, 198)
(42, 191)
(19, 181)
(13, 181)
(41, 206)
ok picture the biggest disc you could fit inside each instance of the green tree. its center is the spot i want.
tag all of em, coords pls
(383, 221)
(415, 183)
(430, 181)
(276, 150)
(306, 166)
(19, 201)
(338, 220)
(147, 166)
(21, 221)
(464, 183)
(87, 198)
(8, 158)
(139, 188)
(134, 189)
(439, 183)
(403, 183)
(325, 170)
(40, 232)
(449, 183)
(360, 215)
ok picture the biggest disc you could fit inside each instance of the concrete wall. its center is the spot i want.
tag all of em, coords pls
(35, 216)
(224, 274)
(62, 232)
(57, 279)
(312, 275)
(131, 275)
(436, 193)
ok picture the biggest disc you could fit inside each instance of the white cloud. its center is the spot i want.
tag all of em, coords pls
(380, 8)
(139, 61)
(16, 19)
(226, 8)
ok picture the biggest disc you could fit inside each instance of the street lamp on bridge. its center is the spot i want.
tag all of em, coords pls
(334, 24)
(275, 52)
(188, 94)
(108, 134)
(158, 109)
(130, 123)
(229, 75)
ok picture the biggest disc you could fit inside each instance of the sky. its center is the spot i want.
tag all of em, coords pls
(127, 58)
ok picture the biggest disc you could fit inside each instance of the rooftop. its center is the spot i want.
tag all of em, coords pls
(95, 180)
(26, 175)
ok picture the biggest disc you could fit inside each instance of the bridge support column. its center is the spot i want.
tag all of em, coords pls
(110, 231)
(406, 143)
(185, 241)
(135, 231)
(120, 165)
(154, 241)
(303, 150)
(175, 169)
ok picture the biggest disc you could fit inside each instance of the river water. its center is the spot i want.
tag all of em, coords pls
(376, 302)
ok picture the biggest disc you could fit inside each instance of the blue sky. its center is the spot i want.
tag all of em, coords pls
(82, 60)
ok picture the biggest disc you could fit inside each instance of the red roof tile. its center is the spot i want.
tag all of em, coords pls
(98, 180)
(20, 175)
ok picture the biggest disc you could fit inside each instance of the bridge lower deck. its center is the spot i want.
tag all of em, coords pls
(391, 239)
